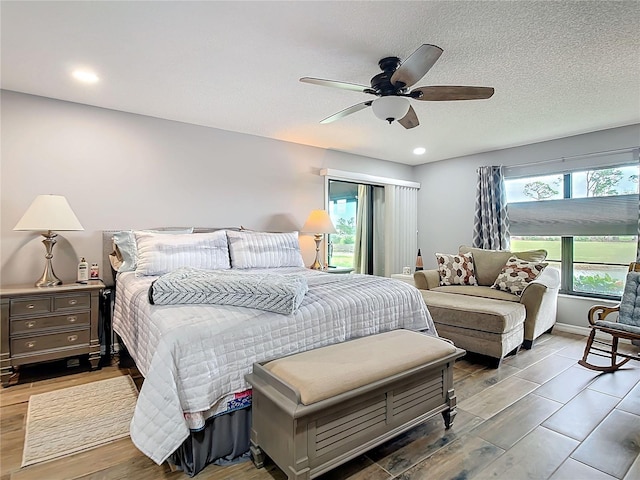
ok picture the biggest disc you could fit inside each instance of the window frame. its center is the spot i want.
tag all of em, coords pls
(567, 241)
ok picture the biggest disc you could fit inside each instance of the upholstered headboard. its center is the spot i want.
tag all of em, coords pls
(108, 274)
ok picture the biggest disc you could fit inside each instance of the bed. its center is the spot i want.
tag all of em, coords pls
(194, 405)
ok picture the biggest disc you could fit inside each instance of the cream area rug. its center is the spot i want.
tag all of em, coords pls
(75, 419)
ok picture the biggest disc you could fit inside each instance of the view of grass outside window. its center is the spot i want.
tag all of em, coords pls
(599, 263)
(343, 203)
(342, 243)
(589, 264)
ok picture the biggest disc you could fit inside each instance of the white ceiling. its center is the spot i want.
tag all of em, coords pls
(558, 68)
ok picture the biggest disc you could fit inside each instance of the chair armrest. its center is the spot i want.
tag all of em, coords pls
(540, 299)
(426, 279)
(547, 281)
(600, 312)
(550, 278)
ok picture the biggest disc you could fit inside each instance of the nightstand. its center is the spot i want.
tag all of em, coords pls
(404, 278)
(39, 324)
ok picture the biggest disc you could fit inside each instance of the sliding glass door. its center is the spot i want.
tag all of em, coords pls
(357, 211)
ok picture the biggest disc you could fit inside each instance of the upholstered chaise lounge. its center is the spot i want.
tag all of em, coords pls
(486, 320)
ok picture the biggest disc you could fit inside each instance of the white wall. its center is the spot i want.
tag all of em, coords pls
(447, 198)
(121, 171)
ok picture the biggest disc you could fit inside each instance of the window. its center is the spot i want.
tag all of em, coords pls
(343, 203)
(586, 219)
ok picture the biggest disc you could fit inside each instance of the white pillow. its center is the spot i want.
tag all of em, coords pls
(123, 257)
(264, 250)
(160, 253)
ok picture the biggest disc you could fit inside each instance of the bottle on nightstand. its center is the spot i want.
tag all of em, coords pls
(95, 271)
(83, 270)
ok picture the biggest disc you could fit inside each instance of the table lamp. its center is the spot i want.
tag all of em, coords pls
(45, 214)
(318, 223)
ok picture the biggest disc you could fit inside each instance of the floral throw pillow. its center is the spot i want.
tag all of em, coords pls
(456, 269)
(517, 274)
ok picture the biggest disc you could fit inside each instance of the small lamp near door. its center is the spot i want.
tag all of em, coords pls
(319, 223)
(45, 214)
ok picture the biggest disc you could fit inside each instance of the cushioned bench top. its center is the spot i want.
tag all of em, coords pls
(475, 313)
(329, 371)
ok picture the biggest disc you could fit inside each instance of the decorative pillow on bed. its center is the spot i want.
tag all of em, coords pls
(264, 250)
(517, 274)
(160, 253)
(456, 269)
(123, 257)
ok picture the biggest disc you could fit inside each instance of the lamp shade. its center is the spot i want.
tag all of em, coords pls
(390, 108)
(318, 222)
(49, 212)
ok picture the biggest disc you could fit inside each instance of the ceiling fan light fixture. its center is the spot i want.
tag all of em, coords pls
(390, 108)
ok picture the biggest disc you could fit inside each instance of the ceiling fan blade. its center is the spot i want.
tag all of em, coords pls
(347, 111)
(410, 120)
(449, 92)
(417, 65)
(332, 83)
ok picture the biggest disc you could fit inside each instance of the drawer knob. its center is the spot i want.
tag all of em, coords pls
(30, 344)
(73, 302)
(72, 338)
(72, 319)
(31, 324)
(31, 306)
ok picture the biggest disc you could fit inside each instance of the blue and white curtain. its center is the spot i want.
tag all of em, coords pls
(638, 249)
(637, 342)
(491, 222)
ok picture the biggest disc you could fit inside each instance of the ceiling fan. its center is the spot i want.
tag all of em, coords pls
(392, 88)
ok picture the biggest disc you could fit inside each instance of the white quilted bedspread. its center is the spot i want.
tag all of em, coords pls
(192, 356)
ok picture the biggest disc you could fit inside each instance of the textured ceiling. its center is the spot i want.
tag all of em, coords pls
(558, 68)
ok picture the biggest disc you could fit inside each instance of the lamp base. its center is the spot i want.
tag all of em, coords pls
(48, 278)
(316, 265)
(48, 281)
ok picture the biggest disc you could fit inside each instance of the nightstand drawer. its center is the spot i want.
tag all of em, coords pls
(71, 302)
(30, 306)
(27, 345)
(42, 323)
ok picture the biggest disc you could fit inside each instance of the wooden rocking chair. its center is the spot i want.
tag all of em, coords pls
(627, 326)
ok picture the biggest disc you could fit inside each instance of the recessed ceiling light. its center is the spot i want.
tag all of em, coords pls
(419, 151)
(85, 76)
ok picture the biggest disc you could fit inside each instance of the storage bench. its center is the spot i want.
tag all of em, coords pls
(318, 409)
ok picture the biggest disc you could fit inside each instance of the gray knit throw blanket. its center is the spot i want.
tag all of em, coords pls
(265, 291)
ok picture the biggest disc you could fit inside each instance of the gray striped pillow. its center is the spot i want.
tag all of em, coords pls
(264, 250)
(160, 253)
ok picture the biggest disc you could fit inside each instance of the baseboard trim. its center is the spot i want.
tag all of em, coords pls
(584, 331)
(575, 329)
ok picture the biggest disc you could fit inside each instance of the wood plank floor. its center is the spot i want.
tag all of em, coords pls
(538, 416)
